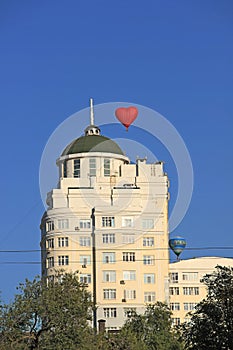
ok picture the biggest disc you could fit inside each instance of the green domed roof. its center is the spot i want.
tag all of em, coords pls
(92, 143)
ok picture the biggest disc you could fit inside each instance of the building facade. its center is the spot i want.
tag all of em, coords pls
(185, 288)
(129, 203)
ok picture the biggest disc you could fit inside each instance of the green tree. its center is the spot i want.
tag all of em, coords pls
(119, 341)
(47, 315)
(211, 325)
(153, 329)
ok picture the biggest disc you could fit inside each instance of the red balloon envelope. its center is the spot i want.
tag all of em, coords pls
(126, 115)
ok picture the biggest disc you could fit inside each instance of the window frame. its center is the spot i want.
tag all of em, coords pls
(92, 167)
(85, 278)
(174, 291)
(62, 224)
(63, 242)
(175, 306)
(148, 224)
(174, 277)
(108, 238)
(128, 238)
(148, 242)
(149, 278)
(149, 297)
(50, 226)
(129, 275)
(128, 256)
(127, 221)
(148, 259)
(109, 276)
(191, 290)
(85, 259)
(77, 168)
(110, 312)
(108, 221)
(85, 241)
(106, 255)
(107, 167)
(109, 293)
(84, 224)
(130, 294)
(63, 260)
(50, 262)
(50, 243)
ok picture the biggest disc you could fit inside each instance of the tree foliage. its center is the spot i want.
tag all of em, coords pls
(211, 325)
(47, 315)
(153, 329)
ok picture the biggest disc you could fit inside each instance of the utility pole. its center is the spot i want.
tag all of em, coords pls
(94, 270)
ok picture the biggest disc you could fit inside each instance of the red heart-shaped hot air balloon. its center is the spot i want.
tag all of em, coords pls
(126, 115)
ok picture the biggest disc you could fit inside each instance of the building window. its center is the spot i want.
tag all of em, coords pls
(108, 237)
(109, 258)
(85, 278)
(106, 167)
(191, 290)
(149, 297)
(174, 291)
(50, 262)
(92, 167)
(63, 224)
(148, 242)
(175, 306)
(109, 276)
(85, 259)
(174, 277)
(50, 243)
(175, 321)
(147, 223)
(129, 294)
(85, 241)
(129, 275)
(85, 223)
(77, 168)
(127, 222)
(63, 260)
(149, 278)
(65, 169)
(63, 242)
(129, 311)
(189, 306)
(108, 221)
(50, 226)
(109, 293)
(148, 259)
(128, 239)
(190, 276)
(128, 256)
(110, 312)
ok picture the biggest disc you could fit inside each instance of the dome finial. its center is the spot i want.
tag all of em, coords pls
(92, 129)
(91, 112)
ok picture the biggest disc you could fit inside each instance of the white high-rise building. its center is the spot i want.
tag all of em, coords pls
(129, 203)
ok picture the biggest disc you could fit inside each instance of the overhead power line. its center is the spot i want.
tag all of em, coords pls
(101, 261)
(108, 247)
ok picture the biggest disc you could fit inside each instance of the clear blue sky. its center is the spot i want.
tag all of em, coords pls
(173, 56)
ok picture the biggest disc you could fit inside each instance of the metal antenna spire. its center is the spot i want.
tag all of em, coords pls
(91, 112)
